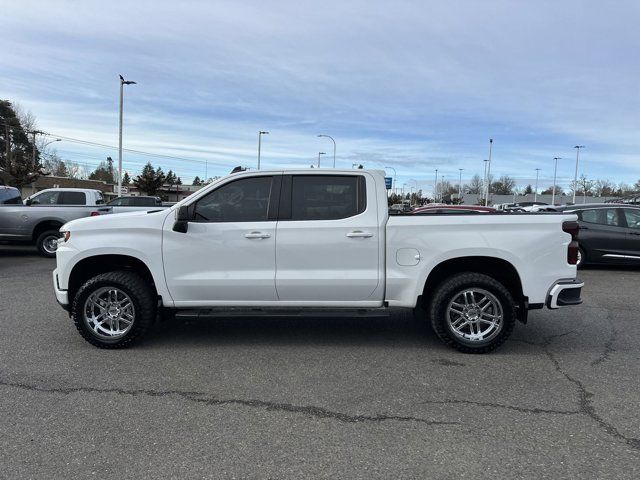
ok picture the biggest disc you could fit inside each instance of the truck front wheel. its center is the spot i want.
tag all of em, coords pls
(47, 243)
(114, 309)
(472, 312)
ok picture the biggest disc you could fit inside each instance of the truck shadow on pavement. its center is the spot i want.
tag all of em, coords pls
(400, 329)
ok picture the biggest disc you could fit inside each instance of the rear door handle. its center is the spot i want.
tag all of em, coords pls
(359, 234)
(583, 228)
(257, 235)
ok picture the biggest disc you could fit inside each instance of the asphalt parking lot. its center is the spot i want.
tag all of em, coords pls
(318, 398)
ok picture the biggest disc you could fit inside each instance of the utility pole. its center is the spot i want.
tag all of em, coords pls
(33, 153)
(575, 175)
(555, 171)
(123, 82)
(486, 200)
(435, 188)
(260, 145)
(460, 185)
(535, 194)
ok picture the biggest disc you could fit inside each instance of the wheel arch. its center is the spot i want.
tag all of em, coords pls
(45, 225)
(95, 265)
(499, 269)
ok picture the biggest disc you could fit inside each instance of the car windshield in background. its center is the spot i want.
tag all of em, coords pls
(10, 196)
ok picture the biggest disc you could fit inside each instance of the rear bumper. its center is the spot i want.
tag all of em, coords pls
(565, 293)
(62, 296)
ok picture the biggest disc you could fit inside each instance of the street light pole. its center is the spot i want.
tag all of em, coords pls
(555, 171)
(123, 82)
(460, 184)
(486, 199)
(435, 188)
(575, 175)
(320, 153)
(334, 148)
(260, 133)
(535, 195)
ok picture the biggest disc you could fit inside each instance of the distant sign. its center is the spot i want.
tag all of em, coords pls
(124, 189)
(388, 182)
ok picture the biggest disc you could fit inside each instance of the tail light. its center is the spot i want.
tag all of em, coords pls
(572, 228)
(95, 214)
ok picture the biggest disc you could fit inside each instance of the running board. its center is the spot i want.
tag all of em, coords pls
(227, 312)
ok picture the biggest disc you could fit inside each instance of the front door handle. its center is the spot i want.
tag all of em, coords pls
(257, 235)
(359, 234)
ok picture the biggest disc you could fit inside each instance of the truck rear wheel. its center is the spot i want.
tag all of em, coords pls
(472, 312)
(47, 243)
(114, 309)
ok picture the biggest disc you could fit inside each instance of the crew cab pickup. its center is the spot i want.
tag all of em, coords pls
(38, 221)
(313, 242)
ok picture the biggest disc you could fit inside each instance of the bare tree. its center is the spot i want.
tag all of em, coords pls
(475, 185)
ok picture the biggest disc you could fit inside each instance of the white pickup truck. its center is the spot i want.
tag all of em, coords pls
(313, 242)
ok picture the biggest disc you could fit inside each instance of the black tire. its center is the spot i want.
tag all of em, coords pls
(448, 290)
(43, 243)
(582, 257)
(142, 296)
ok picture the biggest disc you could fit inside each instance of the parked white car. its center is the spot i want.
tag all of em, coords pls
(308, 242)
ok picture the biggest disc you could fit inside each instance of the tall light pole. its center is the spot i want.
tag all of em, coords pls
(486, 199)
(334, 148)
(394, 178)
(460, 184)
(484, 178)
(260, 133)
(575, 175)
(535, 194)
(435, 188)
(555, 171)
(123, 82)
(320, 153)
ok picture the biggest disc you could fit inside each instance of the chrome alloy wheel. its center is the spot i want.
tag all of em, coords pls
(109, 312)
(475, 315)
(50, 244)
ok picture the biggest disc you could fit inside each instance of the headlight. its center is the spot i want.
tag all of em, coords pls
(67, 235)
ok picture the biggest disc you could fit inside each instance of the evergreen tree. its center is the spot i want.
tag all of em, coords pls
(104, 172)
(197, 181)
(18, 166)
(126, 179)
(150, 181)
(178, 181)
(528, 189)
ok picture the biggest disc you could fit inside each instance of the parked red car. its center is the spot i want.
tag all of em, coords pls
(452, 209)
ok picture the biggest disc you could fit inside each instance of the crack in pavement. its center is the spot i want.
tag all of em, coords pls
(200, 397)
(608, 346)
(585, 397)
(501, 405)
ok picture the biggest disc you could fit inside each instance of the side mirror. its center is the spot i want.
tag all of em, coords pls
(182, 220)
(28, 202)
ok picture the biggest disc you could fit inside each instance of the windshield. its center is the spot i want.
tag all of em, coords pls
(10, 196)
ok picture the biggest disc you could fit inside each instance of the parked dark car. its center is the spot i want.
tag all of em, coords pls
(609, 233)
(10, 196)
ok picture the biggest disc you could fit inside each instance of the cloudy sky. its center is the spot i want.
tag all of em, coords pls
(416, 85)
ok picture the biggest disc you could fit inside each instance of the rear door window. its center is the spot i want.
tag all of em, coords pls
(327, 197)
(73, 198)
(632, 217)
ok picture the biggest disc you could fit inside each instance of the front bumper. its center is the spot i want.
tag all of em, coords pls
(62, 296)
(565, 293)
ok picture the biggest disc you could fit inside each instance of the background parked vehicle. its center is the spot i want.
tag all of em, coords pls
(132, 204)
(66, 196)
(453, 209)
(39, 220)
(609, 233)
(10, 196)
